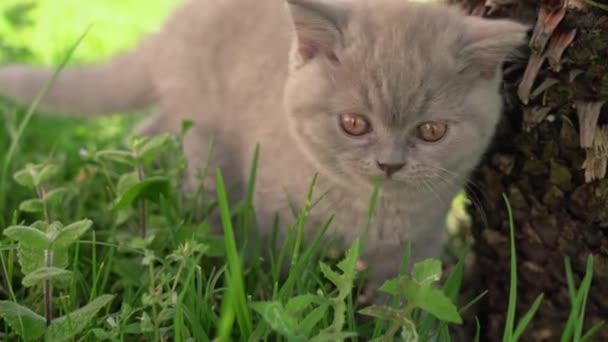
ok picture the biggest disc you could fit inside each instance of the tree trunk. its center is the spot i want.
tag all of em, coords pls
(549, 157)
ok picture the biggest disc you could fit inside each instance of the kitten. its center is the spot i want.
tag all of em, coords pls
(351, 90)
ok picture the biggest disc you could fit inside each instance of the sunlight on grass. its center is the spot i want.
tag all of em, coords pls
(117, 25)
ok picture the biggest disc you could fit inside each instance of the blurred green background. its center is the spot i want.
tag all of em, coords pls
(39, 33)
(47, 27)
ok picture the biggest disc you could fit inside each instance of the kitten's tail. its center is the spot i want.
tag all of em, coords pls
(121, 84)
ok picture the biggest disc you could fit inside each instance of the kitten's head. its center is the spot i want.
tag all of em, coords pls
(396, 89)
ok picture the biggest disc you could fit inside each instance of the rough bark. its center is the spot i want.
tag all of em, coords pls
(549, 158)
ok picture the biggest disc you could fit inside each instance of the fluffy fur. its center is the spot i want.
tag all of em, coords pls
(281, 72)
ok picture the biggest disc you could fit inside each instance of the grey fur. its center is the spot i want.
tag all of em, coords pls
(224, 65)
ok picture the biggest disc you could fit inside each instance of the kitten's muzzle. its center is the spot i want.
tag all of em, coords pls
(390, 169)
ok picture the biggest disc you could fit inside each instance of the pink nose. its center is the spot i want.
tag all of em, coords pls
(390, 169)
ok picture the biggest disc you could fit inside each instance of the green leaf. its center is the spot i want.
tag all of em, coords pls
(126, 181)
(438, 304)
(150, 189)
(149, 147)
(427, 271)
(429, 299)
(25, 177)
(46, 273)
(186, 126)
(312, 319)
(68, 326)
(121, 157)
(397, 286)
(55, 195)
(408, 332)
(28, 236)
(34, 205)
(31, 259)
(344, 282)
(384, 312)
(278, 318)
(69, 234)
(46, 173)
(333, 336)
(300, 303)
(329, 273)
(25, 322)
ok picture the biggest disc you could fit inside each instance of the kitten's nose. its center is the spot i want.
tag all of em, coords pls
(390, 169)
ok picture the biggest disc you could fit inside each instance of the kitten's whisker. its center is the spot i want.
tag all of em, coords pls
(433, 190)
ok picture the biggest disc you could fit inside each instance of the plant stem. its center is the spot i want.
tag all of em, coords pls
(142, 218)
(142, 205)
(42, 196)
(48, 261)
(48, 290)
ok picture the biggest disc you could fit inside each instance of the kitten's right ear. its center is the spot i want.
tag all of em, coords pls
(488, 42)
(318, 26)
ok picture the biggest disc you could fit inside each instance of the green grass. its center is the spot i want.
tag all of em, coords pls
(116, 25)
(153, 247)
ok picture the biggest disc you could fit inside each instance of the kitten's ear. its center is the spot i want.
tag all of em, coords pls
(487, 43)
(318, 26)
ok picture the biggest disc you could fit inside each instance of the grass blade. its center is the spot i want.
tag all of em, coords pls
(234, 278)
(521, 326)
(508, 334)
(573, 328)
(593, 330)
(583, 294)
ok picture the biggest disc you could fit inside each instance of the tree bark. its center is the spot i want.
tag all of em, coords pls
(549, 158)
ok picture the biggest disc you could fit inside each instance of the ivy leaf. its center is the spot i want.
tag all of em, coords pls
(46, 273)
(150, 189)
(66, 236)
(28, 236)
(25, 322)
(427, 271)
(68, 326)
(279, 319)
(34, 205)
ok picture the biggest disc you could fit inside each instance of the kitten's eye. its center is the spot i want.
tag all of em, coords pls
(432, 131)
(355, 124)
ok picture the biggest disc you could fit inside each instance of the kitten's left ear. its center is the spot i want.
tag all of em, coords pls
(319, 26)
(487, 43)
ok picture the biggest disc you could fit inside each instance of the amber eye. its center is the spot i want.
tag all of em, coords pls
(432, 131)
(355, 124)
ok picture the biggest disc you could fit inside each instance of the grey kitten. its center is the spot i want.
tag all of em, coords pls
(351, 90)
